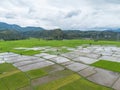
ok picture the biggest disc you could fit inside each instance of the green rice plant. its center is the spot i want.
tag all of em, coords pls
(37, 73)
(16, 81)
(109, 65)
(83, 84)
(54, 85)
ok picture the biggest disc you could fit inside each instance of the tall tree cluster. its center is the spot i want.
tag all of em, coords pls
(58, 34)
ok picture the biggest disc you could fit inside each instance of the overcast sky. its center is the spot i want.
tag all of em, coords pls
(64, 14)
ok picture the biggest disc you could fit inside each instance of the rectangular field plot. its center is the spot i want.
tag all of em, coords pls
(49, 56)
(20, 58)
(41, 54)
(23, 63)
(15, 81)
(25, 52)
(7, 55)
(87, 71)
(109, 65)
(54, 85)
(51, 77)
(85, 60)
(53, 68)
(59, 59)
(2, 85)
(93, 55)
(35, 65)
(37, 73)
(83, 84)
(6, 67)
(67, 63)
(70, 55)
(11, 59)
(110, 58)
(76, 67)
(104, 77)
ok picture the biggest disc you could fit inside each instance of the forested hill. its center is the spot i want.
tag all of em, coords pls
(15, 32)
(5, 26)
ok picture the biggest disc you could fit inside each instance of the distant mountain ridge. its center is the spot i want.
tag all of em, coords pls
(16, 32)
(114, 30)
(5, 26)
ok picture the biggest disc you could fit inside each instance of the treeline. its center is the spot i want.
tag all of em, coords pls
(95, 35)
(11, 35)
(58, 34)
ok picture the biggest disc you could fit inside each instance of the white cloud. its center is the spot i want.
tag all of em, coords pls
(65, 14)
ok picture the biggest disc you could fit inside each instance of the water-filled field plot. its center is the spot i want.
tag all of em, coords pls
(91, 65)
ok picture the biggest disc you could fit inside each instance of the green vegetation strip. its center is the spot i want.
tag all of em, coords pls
(59, 51)
(109, 65)
(58, 83)
(11, 78)
(15, 81)
(65, 80)
(9, 73)
(10, 45)
(2, 85)
(25, 52)
(6, 67)
(36, 73)
(83, 84)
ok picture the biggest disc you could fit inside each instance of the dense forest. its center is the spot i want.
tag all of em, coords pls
(16, 32)
(58, 34)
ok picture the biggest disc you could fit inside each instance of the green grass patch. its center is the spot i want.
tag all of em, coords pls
(16, 81)
(50, 69)
(53, 76)
(83, 84)
(10, 45)
(54, 85)
(62, 73)
(7, 46)
(9, 73)
(36, 73)
(52, 52)
(11, 77)
(6, 67)
(2, 85)
(25, 52)
(109, 65)
(63, 50)
(59, 51)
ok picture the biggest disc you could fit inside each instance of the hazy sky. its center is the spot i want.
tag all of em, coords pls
(64, 14)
